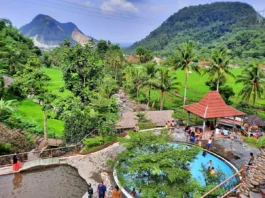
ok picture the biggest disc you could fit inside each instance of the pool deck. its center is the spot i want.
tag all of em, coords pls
(93, 167)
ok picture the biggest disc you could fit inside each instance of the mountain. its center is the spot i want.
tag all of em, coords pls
(46, 32)
(202, 24)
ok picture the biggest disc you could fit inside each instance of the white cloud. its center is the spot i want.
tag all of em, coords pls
(118, 5)
(81, 3)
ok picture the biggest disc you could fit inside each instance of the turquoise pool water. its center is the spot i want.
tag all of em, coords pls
(201, 160)
(217, 163)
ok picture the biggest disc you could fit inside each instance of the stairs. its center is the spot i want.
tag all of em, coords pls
(254, 195)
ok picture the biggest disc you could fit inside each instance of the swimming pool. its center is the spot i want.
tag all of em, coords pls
(201, 159)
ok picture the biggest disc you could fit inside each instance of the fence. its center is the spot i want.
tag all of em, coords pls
(241, 172)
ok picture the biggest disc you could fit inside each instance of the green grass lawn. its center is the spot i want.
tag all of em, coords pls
(196, 90)
(31, 112)
(56, 83)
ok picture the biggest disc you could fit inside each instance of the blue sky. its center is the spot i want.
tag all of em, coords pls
(115, 20)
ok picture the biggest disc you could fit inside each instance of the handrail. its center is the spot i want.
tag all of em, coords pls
(222, 183)
(236, 187)
(243, 177)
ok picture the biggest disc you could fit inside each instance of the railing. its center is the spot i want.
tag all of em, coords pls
(5, 160)
(242, 172)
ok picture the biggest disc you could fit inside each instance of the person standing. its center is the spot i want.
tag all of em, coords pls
(15, 162)
(101, 190)
(251, 159)
(133, 192)
(209, 144)
(116, 193)
(136, 128)
(90, 191)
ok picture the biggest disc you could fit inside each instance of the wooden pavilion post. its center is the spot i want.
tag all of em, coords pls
(203, 129)
(188, 120)
(234, 124)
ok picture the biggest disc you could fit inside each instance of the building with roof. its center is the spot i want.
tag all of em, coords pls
(212, 106)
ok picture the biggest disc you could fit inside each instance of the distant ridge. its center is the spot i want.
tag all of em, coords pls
(46, 32)
(202, 24)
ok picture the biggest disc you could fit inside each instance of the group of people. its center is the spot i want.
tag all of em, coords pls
(173, 124)
(101, 191)
(116, 193)
(195, 134)
(134, 193)
(210, 168)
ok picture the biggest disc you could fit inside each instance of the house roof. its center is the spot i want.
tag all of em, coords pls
(159, 118)
(212, 105)
(254, 120)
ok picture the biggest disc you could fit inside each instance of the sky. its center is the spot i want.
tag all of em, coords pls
(120, 21)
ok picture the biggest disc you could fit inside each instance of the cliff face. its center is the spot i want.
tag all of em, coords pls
(46, 32)
(81, 38)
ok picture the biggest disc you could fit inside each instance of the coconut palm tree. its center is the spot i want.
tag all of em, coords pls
(6, 105)
(12, 58)
(150, 69)
(134, 79)
(115, 59)
(165, 82)
(253, 80)
(218, 68)
(185, 59)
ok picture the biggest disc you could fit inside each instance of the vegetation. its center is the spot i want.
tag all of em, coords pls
(219, 67)
(149, 163)
(185, 60)
(253, 80)
(220, 25)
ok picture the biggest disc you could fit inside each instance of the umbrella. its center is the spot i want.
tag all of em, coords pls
(254, 120)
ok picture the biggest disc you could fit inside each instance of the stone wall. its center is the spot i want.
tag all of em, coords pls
(255, 177)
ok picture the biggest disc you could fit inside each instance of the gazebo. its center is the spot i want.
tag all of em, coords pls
(212, 106)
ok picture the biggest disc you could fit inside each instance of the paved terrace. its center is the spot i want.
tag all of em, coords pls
(93, 167)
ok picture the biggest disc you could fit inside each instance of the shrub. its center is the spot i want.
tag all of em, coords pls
(5, 148)
(91, 142)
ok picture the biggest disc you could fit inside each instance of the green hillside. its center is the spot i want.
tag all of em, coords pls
(204, 24)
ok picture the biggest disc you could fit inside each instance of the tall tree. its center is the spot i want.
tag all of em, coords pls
(33, 81)
(144, 54)
(11, 56)
(165, 82)
(114, 59)
(185, 59)
(102, 48)
(46, 99)
(253, 80)
(150, 69)
(219, 66)
(81, 70)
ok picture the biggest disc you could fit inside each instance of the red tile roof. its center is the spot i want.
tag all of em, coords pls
(212, 105)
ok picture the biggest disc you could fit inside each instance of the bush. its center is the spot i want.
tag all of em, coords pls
(91, 142)
(146, 125)
(5, 148)
(258, 143)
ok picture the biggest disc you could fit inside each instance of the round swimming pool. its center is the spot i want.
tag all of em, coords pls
(196, 166)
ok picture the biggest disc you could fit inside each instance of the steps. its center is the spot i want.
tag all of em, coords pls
(253, 195)
(262, 192)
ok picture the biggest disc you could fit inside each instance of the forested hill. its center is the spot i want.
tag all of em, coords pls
(202, 23)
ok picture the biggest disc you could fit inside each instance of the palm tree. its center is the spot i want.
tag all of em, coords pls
(253, 79)
(6, 105)
(115, 59)
(134, 79)
(165, 82)
(185, 60)
(219, 67)
(150, 70)
(12, 57)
